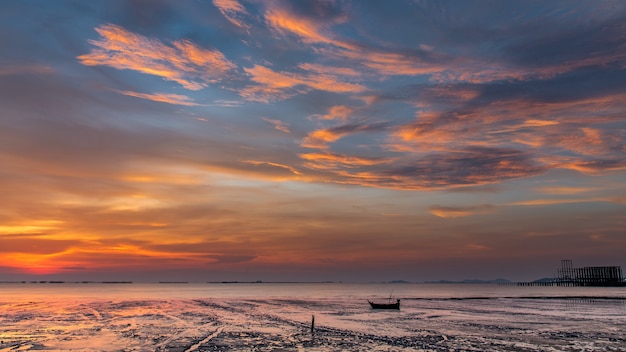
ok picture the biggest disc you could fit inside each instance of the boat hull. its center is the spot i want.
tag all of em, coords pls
(385, 305)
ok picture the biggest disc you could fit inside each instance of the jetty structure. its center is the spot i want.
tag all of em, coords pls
(568, 275)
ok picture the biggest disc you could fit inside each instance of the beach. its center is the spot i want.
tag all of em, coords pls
(266, 317)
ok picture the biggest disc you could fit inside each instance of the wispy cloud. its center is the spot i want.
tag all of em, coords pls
(317, 30)
(181, 61)
(278, 125)
(596, 167)
(307, 29)
(234, 11)
(272, 86)
(469, 167)
(339, 112)
(331, 161)
(322, 137)
(562, 190)
(556, 201)
(391, 63)
(472, 166)
(34, 227)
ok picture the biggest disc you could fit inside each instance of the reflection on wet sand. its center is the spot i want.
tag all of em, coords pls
(268, 324)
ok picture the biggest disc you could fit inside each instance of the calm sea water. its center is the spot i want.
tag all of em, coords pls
(96, 291)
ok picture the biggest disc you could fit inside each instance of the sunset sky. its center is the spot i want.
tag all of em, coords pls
(311, 140)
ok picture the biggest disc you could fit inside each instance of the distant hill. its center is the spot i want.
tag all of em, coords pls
(471, 281)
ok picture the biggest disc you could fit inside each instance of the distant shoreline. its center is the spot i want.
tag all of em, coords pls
(226, 282)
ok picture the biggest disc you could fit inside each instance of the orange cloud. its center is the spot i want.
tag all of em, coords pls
(312, 32)
(320, 138)
(539, 202)
(523, 123)
(456, 212)
(422, 138)
(33, 226)
(538, 123)
(565, 190)
(38, 69)
(278, 125)
(282, 166)
(474, 70)
(593, 167)
(393, 63)
(339, 112)
(273, 85)
(233, 11)
(182, 62)
(329, 161)
(585, 141)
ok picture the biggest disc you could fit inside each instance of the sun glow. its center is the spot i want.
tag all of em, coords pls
(35, 226)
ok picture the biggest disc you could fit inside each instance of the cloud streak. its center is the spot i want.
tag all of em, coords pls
(175, 99)
(234, 11)
(455, 212)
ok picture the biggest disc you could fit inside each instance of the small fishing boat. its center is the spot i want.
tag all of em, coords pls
(385, 305)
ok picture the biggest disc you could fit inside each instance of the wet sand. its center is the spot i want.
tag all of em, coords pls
(285, 325)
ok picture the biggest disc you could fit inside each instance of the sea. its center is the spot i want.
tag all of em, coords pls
(64, 316)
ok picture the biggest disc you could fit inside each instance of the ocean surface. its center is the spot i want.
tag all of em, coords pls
(279, 317)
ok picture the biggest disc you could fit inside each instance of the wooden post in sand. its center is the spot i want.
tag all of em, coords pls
(312, 325)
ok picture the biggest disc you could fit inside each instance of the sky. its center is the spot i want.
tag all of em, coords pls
(311, 140)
